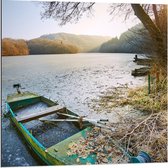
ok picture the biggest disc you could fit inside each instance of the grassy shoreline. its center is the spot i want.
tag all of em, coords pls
(146, 132)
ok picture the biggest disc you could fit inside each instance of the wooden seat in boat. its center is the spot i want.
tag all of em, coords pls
(34, 116)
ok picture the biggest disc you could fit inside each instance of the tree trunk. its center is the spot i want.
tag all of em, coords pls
(146, 20)
(154, 7)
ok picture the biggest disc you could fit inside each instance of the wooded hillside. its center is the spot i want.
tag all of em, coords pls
(131, 41)
(45, 46)
(85, 43)
(11, 47)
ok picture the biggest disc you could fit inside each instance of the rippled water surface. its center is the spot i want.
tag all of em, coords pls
(72, 80)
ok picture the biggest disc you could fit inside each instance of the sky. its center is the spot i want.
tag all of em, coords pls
(22, 20)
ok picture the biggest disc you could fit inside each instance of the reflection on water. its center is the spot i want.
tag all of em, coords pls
(72, 80)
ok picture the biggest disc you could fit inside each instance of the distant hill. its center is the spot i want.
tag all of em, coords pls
(135, 40)
(46, 46)
(13, 47)
(58, 43)
(85, 43)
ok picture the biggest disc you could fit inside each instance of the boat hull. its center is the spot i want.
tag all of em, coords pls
(12, 104)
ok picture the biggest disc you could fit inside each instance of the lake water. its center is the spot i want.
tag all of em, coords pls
(72, 80)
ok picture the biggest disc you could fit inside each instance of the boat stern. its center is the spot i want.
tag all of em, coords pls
(17, 97)
(16, 100)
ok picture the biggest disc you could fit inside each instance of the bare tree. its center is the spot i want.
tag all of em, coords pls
(65, 12)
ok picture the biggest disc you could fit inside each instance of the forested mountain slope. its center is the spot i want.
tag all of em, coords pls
(85, 43)
(135, 40)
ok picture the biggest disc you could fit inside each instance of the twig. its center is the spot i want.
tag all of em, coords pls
(136, 127)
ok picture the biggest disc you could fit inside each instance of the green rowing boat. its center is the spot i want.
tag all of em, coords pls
(26, 120)
(57, 135)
